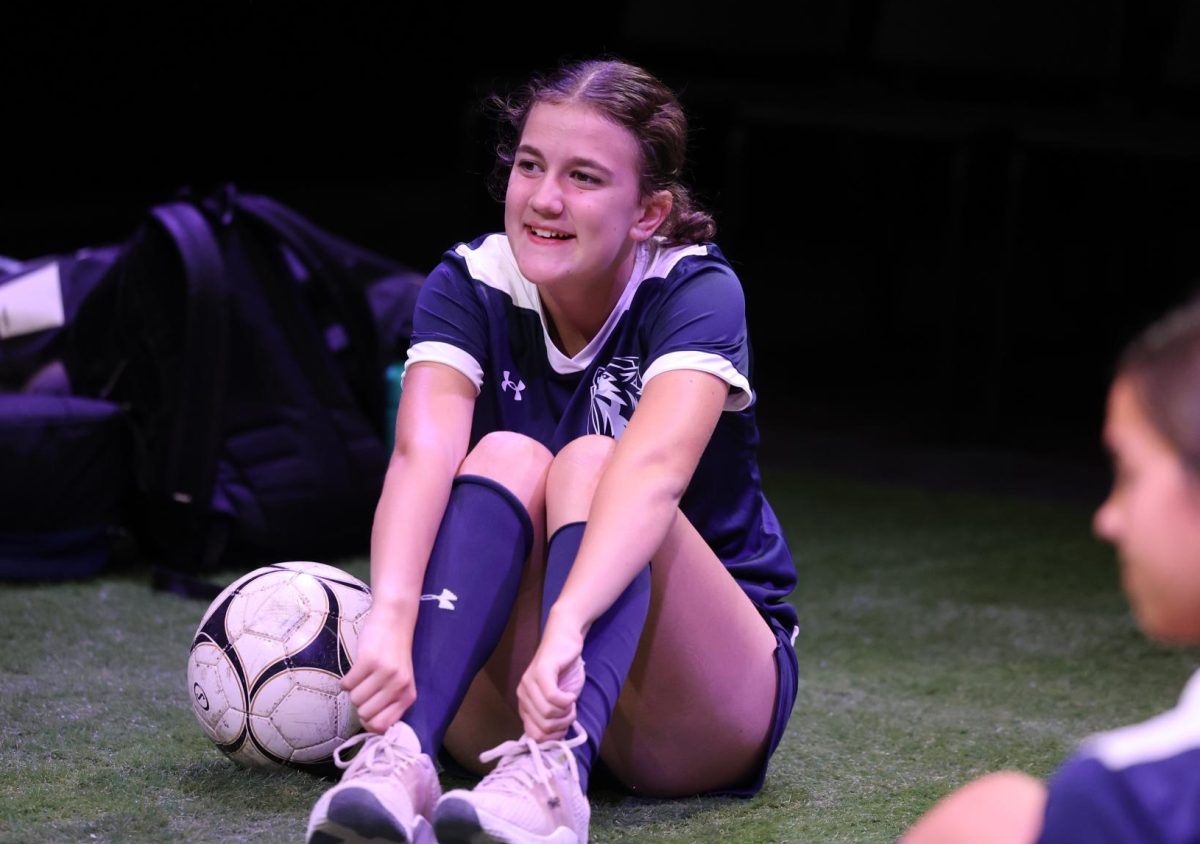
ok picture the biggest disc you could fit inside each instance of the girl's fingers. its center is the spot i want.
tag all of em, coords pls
(387, 716)
(542, 719)
(549, 702)
(547, 680)
(354, 676)
(376, 693)
(372, 706)
(542, 728)
(365, 688)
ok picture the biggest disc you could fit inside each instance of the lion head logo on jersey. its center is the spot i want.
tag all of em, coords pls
(615, 393)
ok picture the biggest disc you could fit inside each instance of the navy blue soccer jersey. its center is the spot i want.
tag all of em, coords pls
(683, 308)
(1135, 785)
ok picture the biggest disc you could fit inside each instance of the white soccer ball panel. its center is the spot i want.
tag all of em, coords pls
(216, 693)
(288, 607)
(301, 715)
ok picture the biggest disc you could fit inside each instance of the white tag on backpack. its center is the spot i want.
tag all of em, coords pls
(31, 303)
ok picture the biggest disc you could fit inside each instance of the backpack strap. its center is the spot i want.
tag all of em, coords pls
(319, 252)
(191, 459)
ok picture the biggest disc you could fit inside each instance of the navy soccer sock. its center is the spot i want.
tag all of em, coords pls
(609, 647)
(466, 600)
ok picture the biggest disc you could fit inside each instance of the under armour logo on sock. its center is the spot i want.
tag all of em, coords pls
(445, 600)
(516, 388)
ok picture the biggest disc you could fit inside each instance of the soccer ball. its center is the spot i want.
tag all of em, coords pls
(266, 664)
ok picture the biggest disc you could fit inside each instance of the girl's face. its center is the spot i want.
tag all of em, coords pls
(1152, 516)
(574, 211)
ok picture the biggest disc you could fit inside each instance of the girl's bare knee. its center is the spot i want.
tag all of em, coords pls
(514, 460)
(573, 477)
(584, 457)
(505, 448)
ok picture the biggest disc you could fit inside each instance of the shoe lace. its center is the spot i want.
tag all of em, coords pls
(381, 754)
(523, 764)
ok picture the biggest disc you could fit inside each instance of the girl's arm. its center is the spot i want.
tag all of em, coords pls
(635, 504)
(433, 428)
(1002, 808)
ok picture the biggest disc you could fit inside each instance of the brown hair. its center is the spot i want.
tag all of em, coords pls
(632, 98)
(1163, 364)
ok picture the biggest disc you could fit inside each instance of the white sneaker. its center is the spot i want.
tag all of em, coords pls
(532, 797)
(386, 794)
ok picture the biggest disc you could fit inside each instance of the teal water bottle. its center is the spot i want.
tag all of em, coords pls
(395, 381)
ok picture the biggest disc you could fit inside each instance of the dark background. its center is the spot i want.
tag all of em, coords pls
(948, 214)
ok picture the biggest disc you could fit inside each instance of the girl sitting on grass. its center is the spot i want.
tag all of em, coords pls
(572, 559)
(1139, 784)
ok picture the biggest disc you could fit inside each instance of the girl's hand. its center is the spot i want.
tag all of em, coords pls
(381, 680)
(552, 682)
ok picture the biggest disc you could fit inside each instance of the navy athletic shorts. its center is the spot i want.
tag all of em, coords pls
(788, 674)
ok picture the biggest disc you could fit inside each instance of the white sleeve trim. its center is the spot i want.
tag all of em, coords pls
(1163, 736)
(431, 351)
(740, 396)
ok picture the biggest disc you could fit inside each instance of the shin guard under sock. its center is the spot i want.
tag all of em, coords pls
(466, 599)
(610, 645)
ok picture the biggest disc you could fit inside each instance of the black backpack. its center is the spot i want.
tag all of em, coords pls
(242, 342)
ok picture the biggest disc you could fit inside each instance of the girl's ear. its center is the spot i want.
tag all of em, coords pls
(655, 211)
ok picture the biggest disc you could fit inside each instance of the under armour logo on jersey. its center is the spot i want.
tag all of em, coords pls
(445, 600)
(516, 388)
(616, 389)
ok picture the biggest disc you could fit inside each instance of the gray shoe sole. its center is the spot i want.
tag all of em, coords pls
(355, 816)
(456, 822)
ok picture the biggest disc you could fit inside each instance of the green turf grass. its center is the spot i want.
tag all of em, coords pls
(943, 636)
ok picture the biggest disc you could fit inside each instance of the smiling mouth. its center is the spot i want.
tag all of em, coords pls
(547, 234)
